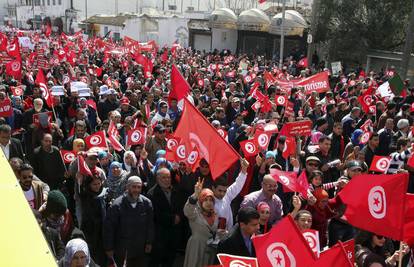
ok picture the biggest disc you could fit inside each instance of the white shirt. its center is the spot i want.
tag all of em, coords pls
(222, 206)
(30, 197)
(6, 150)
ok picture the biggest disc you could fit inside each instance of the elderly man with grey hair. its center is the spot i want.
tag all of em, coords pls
(129, 226)
(167, 216)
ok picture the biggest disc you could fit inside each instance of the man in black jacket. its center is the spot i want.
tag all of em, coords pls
(129, 226)
(167, 216)
(11, 147)
(239, 241)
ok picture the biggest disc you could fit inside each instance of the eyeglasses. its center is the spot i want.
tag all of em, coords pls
(168, 126)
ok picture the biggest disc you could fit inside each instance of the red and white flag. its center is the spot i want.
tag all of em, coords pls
(377, 203)
(249, 147)
(17, 90)
(67, 156)
(312, 236)
(227, 260)
(262, 139)
(13, 49)
(41, 82)
(83, 168)
(98, 139)
(289, 181)
(335, 256)
(280, 100)
(380, 164)
(179, 86)
(284, 246)
(136, 136)
(349, 247)
(14, 69)
(113, 137)
(196, 131)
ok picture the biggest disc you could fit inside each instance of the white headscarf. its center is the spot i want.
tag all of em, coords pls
(74, 246)
(131, 153)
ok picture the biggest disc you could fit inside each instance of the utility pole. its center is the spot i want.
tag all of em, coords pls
(312, 32)
(282, 34)
(405, 60)
(86, 16)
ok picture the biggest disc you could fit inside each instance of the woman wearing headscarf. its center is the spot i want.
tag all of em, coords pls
(355, 142)
(162, 113)
(77, 255)
(93, 201)
(199, 209)
(116, 181)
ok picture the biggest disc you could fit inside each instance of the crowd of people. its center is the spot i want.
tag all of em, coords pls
(140, 209)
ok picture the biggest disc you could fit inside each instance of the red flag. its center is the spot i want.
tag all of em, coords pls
(164, 56)
(67, 156)
(365, 100)
(113, 137)
(193, 158)
(349, 247)
(41, 82)
(262, 139)
(380, 164)
(13, 49)
(83, 167)
(284, 245)
(375, 203)
(249, 147)
(303, 63)
(6, 108)
(172, 143)
(409, 220)
(136, 136)
(97, 139)
(280, 100)
(335, 256)
(195, 130)
(179, 86)
(227, 260)
(289, 181)
(410, 161)
(303, 182)
(312, 236)
(48, 30)
(269, 79)
(14, 69)
(91, 103)
(290, 147)
(3, 42)
(17, 90)
(223, 133)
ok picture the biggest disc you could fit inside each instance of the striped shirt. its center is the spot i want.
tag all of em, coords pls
(397, 161)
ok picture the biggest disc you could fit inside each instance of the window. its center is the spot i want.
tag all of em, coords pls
(60, 2)
(117, 36)
(105, 30)
(48, 2)
(54, 2)
(43, 2)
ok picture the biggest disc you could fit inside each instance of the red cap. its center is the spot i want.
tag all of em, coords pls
(124, 100)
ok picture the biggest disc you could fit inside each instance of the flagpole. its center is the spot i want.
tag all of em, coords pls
(400, 255)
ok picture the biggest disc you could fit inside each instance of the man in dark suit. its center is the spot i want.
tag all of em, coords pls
(239, 241)
(11, 147)
(167, 216)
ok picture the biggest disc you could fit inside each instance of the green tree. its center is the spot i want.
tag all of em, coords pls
(352, 27)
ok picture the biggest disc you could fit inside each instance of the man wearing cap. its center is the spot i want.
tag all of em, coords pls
(107, 105)
(129, 226)
(155, 142)
(126, 109)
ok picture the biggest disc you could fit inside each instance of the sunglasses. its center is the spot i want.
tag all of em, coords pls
(380, 236)
(313, 164)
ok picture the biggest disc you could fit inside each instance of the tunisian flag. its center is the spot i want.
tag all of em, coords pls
(335, 256)
(195, 131)
(41, 82)
(179, 86)
(97, 139)
(227, 260)
(13, 49)
(113, 137)
(284, 245)
(83, 167)
(290, 181)
(377, 203)
(14, 69)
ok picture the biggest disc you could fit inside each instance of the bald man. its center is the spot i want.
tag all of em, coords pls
(266, 194)
(47, 163)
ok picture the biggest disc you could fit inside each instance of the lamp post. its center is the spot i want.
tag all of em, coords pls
(282, 34)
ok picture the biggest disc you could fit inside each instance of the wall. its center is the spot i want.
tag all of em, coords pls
(25, 12)
(224, 39)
